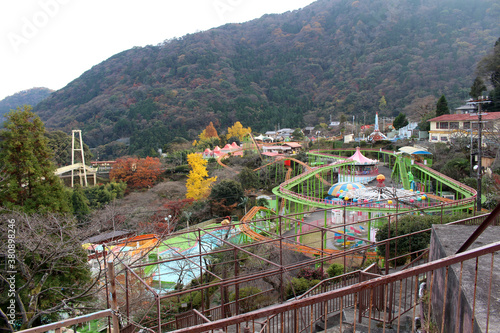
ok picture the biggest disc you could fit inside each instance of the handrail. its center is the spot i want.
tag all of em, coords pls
(348, 290)
(69, 322)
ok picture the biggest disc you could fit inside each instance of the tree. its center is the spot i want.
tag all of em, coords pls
(52, 276)
(489, 67)
(80, 204)
(211, 132)
(208, 138)
(99, 196)
(198, 184)
(136, 172)
(477, 88)
(457, 168)
(237, 130)
(424, 125)
(168, 217)
(442, 107)
(248, 179)
(298, 134)
(421, 108)
(400, 121)
(382, 104)
(227, 193)
(27, 179)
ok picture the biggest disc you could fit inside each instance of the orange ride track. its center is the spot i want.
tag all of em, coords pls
(247, 230)
(277, 160)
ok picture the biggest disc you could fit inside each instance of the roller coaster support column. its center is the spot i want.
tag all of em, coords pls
(345, 217)
(236, 286)
(323, 239)
(322, 250)
(369, 225)
(200, 249)
(282, 294)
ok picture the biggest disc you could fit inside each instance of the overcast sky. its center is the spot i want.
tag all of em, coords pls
(49, 43)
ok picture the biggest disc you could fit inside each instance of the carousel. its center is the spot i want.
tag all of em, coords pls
(365, 170)
(357, 193)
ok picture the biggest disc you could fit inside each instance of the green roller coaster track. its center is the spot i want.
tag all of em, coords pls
(308, 188)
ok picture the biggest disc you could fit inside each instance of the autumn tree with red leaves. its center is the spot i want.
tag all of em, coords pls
(136, 172)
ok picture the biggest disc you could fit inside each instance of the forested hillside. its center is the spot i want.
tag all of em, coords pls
(31, 96)
(293, 69)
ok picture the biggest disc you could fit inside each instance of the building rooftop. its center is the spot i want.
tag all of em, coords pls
(467, 117)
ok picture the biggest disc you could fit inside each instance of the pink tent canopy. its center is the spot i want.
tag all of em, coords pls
(216, 149)
(360, 158)
(234, 145)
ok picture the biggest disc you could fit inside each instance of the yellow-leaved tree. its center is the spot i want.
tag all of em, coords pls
(238, 131)
(198, 184)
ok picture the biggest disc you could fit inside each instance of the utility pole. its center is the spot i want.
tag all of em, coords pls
(480, 101)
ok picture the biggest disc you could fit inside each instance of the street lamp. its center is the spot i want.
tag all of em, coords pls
(167, 219)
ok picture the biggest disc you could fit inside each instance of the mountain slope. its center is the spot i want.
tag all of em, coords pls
(31, 96)
(293, 69)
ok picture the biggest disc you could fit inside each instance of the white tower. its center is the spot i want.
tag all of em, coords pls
(82, 172)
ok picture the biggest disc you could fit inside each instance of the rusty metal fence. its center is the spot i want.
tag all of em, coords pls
(300, 315)
(361, 297)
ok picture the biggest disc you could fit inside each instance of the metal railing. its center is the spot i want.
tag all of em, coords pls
(58, 326)
(291, 316)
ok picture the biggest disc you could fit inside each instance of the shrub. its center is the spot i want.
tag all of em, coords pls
(298, 286)
(100, 196)
(311, 273)
(335, 270)
(193, 299)
(252, 303)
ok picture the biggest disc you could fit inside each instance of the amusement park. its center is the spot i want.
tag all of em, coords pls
(340, 245)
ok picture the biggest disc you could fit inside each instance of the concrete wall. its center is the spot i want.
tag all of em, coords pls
(474, 292)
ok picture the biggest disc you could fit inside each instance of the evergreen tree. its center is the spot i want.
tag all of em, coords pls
(228, 190)
(225, 196)
(477, 88)
(80, 204)
(400, 121)
(27, 181)
(442, 106)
